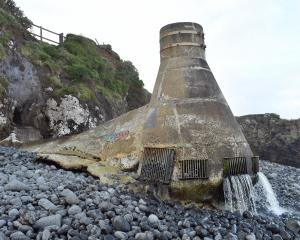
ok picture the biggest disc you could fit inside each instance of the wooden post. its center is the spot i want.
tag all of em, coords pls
(61, 38)
(41, 33)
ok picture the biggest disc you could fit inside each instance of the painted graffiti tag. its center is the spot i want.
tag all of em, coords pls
(116, 136)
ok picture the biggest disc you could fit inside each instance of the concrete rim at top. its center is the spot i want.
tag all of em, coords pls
(181, 26)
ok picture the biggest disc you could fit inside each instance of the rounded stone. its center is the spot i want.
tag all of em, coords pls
(2, 223)
(276, 237)
(120, 235)
(250, 237)
(46, 204)
(247, 214)
(121, 224)
(18, 236)
(153, 219)
(74, 209)
(48, 221)
(109, 237)
(144, 236)
(70, 196)
(46, 234)
(16, 185)
(13, 214)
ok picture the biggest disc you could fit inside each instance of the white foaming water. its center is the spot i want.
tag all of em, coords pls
(239, 193)
(269, 194)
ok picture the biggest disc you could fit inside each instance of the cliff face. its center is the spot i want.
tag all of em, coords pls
(273, 138)
(51, 91)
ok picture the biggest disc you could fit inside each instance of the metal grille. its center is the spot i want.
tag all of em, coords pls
(255, 164)
(235, 166)
(193, 169)
(158, 165)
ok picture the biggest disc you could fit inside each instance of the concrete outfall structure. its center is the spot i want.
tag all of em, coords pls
(186, 139)
(188, 113)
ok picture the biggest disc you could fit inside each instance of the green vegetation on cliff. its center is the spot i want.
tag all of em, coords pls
(12, 22)
(78, 66)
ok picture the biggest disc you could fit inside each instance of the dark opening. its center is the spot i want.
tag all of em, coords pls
(17, 118)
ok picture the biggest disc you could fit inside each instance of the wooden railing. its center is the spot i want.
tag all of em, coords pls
(59, 36)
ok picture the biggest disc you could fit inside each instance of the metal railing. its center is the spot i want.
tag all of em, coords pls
(41, 36)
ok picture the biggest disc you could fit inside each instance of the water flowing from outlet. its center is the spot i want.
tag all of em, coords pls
(239, 193)
(269, 194)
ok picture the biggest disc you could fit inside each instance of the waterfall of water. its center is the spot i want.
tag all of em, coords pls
(269, 194)
(239, 193)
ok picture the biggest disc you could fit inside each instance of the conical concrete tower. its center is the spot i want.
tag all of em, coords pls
(185, 140)
(190, 135)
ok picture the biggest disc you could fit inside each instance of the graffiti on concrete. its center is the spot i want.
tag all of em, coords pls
(116, 136)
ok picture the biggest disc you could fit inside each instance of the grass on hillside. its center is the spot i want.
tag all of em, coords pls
(75, 67)
(78, 60)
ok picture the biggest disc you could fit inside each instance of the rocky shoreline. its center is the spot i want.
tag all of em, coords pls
(286, 184)
(39, 201)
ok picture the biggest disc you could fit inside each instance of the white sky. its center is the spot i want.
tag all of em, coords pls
(253, 46)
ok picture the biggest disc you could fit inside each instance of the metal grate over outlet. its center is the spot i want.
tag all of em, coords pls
(158, 165)
(235, 166)
(255, 164)
(193, 169)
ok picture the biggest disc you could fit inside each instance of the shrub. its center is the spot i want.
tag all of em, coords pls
(65, 91)
(10, 6)
(85, 93)
(78, 72)
(55, 82)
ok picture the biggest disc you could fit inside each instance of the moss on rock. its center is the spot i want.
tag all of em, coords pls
(195, 190)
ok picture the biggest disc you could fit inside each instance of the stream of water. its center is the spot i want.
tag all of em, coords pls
(270, 196)
(240, 195)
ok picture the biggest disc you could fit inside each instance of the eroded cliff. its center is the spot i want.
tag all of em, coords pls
(51, 91)
(273, 138)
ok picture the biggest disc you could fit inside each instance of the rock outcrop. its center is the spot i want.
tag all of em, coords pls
(273, 138)
(52, 91)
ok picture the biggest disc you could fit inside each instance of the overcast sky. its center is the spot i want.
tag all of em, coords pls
(253, 46)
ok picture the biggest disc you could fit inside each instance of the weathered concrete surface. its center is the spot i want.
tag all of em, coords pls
(187, 113)
(116, 144)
